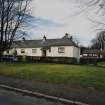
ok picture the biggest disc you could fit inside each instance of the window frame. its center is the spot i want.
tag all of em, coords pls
(22, 51)
(34, 51)
(61, 50)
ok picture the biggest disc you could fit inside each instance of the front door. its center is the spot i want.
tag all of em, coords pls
(44, 53)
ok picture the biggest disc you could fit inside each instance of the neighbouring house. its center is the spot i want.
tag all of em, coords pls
(92, 56)
(90, 53)
(93, 53)
(55, 50)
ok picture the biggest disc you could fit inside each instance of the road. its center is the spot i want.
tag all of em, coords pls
(13, 98)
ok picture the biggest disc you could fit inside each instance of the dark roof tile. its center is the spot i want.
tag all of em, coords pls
(47, 43)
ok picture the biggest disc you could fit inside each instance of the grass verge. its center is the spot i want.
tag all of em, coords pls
(76, 75)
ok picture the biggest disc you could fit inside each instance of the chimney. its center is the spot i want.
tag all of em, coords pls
(66, 35)
(23, 39)
(44, 38)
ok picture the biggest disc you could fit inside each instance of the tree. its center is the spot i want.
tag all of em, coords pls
(99, 41)
(12, 15)
(97, 10)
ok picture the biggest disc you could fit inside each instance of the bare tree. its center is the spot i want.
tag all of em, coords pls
(97, 9)
(99, 41)
(12, 15)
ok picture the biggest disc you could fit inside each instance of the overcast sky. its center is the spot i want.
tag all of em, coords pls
(56, 17)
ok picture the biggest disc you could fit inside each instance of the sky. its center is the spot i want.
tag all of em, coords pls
(54, 18)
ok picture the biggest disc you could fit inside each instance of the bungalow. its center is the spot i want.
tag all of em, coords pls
(63, 49)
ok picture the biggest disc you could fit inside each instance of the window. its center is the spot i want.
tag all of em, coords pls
(34, 51)
(61, 50)
(22, 51)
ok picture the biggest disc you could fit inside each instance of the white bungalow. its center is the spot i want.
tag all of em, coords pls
(63, 49)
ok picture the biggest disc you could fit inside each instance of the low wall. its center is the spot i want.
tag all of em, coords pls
(48, 59)
(33, 59)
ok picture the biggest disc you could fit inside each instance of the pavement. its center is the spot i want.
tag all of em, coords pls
(14, 98)
(85, 95)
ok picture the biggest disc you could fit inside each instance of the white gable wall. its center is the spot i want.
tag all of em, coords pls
(76, 52)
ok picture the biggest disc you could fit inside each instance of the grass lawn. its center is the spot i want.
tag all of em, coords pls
(102, 64)
(76, 75)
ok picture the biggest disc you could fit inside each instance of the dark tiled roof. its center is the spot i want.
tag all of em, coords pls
(45, 44)
(27, 44)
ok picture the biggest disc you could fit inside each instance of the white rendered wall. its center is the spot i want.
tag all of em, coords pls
(54, 52)
(69, 51)
(28, 52)
(76, 52)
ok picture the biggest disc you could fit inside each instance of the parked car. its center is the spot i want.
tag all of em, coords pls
(9, 58)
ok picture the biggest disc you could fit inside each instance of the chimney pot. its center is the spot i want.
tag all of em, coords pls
(44, 38)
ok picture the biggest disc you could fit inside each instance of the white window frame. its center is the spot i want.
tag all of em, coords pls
(61, 50)
(34, 51)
